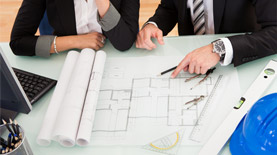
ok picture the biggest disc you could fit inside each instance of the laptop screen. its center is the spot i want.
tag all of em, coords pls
(12, 96)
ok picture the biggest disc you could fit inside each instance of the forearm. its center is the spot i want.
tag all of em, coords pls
(121, 26)
(258, 44)
(64, 43)
(250, 47)
(126, 34)
(23, 39)
(165, 17)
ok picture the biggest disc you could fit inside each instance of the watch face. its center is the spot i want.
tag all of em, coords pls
(219, 47)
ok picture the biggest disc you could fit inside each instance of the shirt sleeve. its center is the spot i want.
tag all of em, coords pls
(228, 52)
(110, 19)
(43, 45)
(150, 22)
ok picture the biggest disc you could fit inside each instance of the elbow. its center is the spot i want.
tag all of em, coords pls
(13, 47)
(20, 47)
(124, 43)
(123, 47)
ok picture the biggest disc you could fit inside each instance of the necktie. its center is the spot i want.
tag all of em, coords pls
(198, 17)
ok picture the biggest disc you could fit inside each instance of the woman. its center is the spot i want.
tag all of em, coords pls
(76, 23)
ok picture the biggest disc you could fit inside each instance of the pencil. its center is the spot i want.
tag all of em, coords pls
(17, 127)
(9, 141)
(164, 72)
(13, 126)
(7, 125)
(3, 150)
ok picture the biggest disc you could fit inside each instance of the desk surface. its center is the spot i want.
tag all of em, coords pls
(51, 67)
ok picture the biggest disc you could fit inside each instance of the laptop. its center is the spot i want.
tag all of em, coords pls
(20, 89)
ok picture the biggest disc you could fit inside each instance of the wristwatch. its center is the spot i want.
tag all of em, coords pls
(219, 48)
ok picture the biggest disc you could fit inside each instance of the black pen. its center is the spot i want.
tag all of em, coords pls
(171, 69)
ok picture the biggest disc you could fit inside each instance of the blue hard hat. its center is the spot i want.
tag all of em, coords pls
(256, 133)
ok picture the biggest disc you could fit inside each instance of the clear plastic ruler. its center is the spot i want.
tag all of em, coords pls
(204, 118)
(168, 144)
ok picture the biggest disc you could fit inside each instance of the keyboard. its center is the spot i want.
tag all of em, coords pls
(34, 86)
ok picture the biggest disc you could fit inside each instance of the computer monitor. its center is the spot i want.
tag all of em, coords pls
(12, 96)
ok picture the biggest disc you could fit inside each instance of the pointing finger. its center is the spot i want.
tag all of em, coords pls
(184, 63)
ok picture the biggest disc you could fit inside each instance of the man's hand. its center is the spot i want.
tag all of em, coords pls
(144, 37)
(198, 61)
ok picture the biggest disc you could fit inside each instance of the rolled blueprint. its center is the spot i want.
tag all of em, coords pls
(68, 119)
(44, 136)
(88, 115)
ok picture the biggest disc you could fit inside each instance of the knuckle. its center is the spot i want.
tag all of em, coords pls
(194, 60)
(160, 32)
(145, 40)
(206, 66)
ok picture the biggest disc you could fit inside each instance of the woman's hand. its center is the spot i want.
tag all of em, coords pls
(102, 6)
(92, 40)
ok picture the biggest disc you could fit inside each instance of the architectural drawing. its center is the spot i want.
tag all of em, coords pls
(136, 107)
(156, 100)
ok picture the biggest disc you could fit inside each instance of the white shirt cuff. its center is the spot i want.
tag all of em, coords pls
(150, 23)
(229, 52)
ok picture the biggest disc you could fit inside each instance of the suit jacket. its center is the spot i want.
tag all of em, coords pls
(230, 16)
(61, 16)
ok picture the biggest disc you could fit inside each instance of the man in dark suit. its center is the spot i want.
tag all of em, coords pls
(258, 18)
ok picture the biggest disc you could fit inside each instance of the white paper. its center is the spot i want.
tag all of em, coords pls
(85, 128)
(75, 97)
(44, 137)
(68, 119)
(135, 107)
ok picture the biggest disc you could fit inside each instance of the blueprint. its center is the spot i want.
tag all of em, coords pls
(135, 106)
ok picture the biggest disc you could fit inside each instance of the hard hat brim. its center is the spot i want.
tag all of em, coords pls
(237, 143)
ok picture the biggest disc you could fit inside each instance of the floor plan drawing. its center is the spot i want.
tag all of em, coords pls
(137, 105)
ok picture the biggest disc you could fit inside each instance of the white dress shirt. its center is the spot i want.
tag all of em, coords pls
(86, 17)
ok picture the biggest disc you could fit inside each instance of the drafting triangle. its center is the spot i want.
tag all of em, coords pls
(168, 144)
